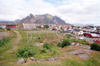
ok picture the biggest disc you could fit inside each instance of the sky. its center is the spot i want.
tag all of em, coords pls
(71, 11)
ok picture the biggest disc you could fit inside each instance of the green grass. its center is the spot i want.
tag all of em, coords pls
(4, 56)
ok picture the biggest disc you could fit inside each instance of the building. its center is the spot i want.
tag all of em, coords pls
(29, 26)
(77, 32)
(11, 26)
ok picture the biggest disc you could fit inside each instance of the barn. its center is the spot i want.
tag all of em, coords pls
(11, 26)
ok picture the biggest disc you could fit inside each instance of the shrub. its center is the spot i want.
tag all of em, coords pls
(65, 43)
(62, 29)
(39, 38)
(8, 29)
(54, 52)
(44, 50)
(46, 26)
(4, 41)
(1, 28)
(27, 51)
(68, 35)
(95, 46)
(38, 26)
(59, 44)
(47, 46)
(54, 29)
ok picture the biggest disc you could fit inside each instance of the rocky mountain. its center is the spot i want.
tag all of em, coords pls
(42, 19)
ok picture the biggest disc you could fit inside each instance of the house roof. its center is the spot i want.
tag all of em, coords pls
(77, 30)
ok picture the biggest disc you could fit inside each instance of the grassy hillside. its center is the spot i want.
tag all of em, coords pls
(52, 38)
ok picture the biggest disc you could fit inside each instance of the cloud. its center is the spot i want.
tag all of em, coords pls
(72, 11)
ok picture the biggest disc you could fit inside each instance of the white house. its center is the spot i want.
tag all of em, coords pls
(77, 32)
(93, 29)
(29, 26)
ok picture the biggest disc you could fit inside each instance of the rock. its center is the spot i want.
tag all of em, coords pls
(32, 58)
(38, 44)
(73, 43)
(52, 59)
(77, 44)
(75, 52)
(48, 50)
(86, 47)
(87, 51)
(21, 61)
(84, 56)
(56, 58)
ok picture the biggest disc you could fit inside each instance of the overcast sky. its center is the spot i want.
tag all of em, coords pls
(72, 11)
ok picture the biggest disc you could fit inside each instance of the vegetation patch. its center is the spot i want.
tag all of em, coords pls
(8, 29)
(95, 46)
(47, 46)
(27, 51)
(64, 43)
(68, 35)
(4, 41)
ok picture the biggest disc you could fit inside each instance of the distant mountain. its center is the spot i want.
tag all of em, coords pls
(42, 19)
(6, 21)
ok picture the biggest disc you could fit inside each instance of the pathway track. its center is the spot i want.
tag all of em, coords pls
(15, 42)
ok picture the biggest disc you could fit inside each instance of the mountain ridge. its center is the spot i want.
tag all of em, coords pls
(42, 19)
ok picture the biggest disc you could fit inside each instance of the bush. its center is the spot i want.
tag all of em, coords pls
(62, 29)
(8, 29)
(65, 43)
(39, 38)
(44, 50)
(47, 46)
(27, 51)
(54, 29)
(38, 26)
(54, 52)
(1, 28)
(95, 46)
(4, 41)
(59, 44)
(68, 35)
(46, 26)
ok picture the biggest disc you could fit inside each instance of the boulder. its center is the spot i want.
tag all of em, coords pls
(32, 58)
(73, 43)
(21, 61)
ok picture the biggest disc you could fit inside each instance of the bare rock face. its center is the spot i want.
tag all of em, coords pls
(38, 44)
(84, 56)
(52, 59)
(82, 53)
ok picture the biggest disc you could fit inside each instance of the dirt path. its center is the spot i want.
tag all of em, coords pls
(15, 42)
